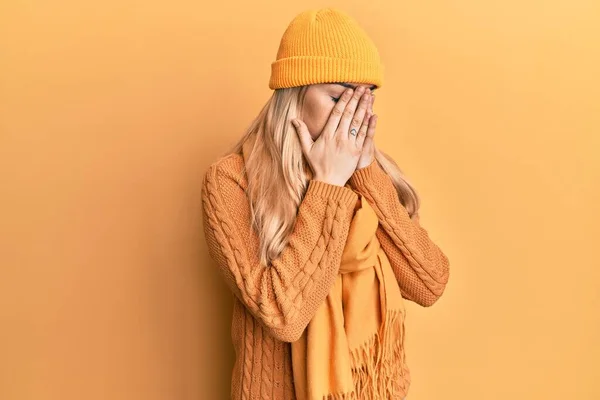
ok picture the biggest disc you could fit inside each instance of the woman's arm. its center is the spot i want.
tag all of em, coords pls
(285, 295)
(420, 266)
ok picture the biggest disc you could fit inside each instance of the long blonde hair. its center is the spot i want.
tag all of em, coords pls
(278, 174)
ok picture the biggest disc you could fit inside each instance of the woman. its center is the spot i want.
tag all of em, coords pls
(316, 231)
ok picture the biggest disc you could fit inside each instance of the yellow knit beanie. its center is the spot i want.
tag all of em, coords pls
(323, 46)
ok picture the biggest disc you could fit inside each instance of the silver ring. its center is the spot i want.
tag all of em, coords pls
(353, 131)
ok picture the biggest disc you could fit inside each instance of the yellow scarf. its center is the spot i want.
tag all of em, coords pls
(353, 348)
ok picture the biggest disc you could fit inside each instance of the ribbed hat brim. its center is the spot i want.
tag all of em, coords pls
(288, 72)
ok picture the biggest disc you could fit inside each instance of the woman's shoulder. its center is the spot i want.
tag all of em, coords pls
(230, 167)
(228, 161)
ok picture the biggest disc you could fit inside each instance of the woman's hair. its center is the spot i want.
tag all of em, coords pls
(278, 175)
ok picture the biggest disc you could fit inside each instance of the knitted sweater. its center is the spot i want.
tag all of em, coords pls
(273, 305)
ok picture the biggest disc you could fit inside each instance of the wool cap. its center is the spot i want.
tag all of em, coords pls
(323, 46)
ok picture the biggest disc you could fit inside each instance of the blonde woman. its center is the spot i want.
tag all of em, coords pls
(316, 231)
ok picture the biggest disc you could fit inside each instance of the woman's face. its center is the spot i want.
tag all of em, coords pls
(319, 100)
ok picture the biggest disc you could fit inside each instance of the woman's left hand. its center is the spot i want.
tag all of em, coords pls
(368, 150)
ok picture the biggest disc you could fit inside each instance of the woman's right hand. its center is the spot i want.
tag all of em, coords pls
(334, 155)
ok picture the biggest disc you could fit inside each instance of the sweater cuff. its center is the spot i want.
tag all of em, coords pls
(363, 175)
(331, 191)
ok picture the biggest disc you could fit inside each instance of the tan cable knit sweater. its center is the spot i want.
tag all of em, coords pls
(273, 305)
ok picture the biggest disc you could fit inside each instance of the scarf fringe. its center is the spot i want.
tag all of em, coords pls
(378, 365)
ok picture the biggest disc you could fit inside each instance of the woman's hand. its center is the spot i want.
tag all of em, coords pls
(368, 150)
(334, 155)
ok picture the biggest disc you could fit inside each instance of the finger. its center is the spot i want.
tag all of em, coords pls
(362, 133)
(305, 139)
(370, 133)
(372, 103)
(372, 126)
(359, 115)
(370, 109)
(348, 113)
(336, 114)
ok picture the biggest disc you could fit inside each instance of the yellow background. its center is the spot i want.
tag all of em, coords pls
(111, 112)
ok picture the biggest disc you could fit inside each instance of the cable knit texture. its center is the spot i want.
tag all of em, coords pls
(274, 304)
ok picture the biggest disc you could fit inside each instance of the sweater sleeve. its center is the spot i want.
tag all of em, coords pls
(284, 295)
(420, 266)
